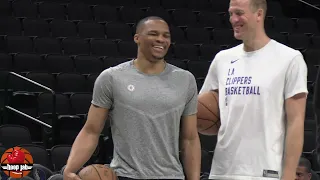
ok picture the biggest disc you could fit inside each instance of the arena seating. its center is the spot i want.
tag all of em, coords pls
(64, 45)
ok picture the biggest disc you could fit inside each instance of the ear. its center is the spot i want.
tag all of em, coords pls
(260, 14)
(310, 175)
(136, 38)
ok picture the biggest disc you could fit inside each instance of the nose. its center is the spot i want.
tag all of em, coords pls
(160, 39)
(233, 19)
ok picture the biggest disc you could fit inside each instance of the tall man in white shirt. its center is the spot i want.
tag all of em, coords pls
(262, 87)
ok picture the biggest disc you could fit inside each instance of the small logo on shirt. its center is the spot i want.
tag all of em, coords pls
(270, 174)
(130, 87)
(233, 61)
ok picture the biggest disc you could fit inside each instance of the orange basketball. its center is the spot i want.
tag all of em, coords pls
(208, 113)
(97, 172)
(20, 158)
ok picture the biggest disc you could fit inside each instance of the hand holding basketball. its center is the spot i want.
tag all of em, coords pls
(97, 172)
(70, 176)
(208, 113)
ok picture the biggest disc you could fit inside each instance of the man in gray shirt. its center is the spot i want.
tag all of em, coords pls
(145, 100)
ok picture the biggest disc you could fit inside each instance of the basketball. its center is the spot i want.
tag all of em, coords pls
(208, 113)
(16, 155)
(97, 172)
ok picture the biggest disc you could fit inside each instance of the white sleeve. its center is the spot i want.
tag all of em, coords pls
(296, 77)
(211, 81)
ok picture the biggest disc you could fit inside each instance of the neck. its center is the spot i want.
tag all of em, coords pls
(257, 42)
(149, 67)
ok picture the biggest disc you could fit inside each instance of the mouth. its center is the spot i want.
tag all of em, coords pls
(237, 27)
(16, 172)
(158, 48)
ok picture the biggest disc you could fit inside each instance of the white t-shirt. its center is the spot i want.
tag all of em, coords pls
(252, 89)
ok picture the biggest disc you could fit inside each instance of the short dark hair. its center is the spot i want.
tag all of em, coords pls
(304, 162)
(142, 21)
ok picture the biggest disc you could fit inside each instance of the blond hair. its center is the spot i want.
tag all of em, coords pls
(259, 4)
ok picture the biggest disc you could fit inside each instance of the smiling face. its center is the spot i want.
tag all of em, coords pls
(153, 39)
(302, 173)
(245, 19)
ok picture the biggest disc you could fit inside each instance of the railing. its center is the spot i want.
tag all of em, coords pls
(28, 116)
(54, 126)
(311, 5)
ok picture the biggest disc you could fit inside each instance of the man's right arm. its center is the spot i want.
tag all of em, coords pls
(211, 82)
(87, 140)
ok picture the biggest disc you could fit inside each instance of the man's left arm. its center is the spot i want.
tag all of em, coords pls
(295, 110)
(189, 137)
(190, 147)
(295, 103)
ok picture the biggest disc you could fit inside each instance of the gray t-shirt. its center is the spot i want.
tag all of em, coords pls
(145, 112)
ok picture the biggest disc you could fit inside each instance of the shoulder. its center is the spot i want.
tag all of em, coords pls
(179, 71)
(291, 59)
(115, 69)
(285, 52)
(230, 51)
(227, 54)
(181, 76)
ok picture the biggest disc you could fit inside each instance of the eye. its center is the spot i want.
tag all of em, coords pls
(239, 13)
(153, 33)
